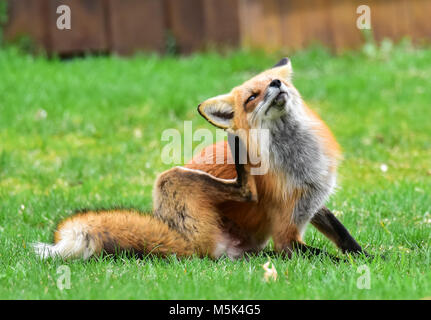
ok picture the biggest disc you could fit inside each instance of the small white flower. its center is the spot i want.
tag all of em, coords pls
(270, 273)
(137, 133)
(41, 114)
(384, 167)
(337, 213)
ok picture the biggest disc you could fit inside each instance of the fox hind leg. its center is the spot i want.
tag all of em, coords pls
(187, 199)
(326, 222)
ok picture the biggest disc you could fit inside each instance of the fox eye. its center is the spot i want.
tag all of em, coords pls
(251, 98)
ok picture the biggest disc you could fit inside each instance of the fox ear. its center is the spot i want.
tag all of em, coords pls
(218, 111)
(282, 62)
(283, 68)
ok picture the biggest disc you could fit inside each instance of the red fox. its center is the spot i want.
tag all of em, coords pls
(222, 209)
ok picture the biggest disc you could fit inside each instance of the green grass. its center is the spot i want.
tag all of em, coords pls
(68, 140)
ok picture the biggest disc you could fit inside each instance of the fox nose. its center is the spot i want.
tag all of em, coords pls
(275, 83)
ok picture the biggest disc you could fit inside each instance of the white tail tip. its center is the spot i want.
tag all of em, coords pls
(74, 244)
(45, 250)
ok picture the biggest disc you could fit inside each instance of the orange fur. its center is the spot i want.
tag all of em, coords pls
(128, 230)
(205, 209)
(263, 218)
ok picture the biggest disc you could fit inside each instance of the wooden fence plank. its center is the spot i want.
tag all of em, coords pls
(88, 27)
(136, 25)
(292, 15)
(28, 18)
(315, 23)
(383, 19)
(251, 24)
(222, 22)
(273, 28)
(421, 20)
(403, 18)
(186, 22)
(343, 19)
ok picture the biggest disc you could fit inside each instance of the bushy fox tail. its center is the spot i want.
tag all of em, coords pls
(90, 233)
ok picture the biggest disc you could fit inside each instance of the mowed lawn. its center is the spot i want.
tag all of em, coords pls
(86, 133)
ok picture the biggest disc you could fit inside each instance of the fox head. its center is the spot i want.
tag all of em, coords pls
(281, 132)
(257, 103)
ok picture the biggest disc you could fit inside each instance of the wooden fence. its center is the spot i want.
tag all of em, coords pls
(126, 26)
